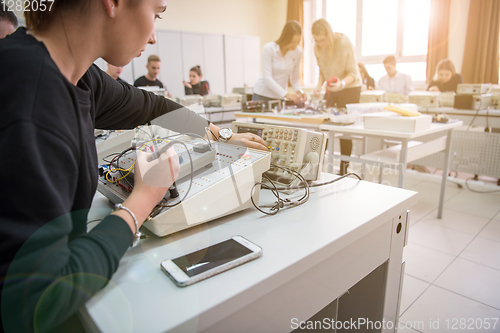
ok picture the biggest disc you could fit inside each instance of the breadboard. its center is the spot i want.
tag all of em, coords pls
(222, 188)
(199, 159)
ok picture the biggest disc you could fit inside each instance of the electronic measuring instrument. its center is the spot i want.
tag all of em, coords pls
(222, 182)
(295, 148)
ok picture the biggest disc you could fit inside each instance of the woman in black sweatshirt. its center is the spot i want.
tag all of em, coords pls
(52, 97)
(195, 85)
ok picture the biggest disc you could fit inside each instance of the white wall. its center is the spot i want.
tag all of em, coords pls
(263, 18)
(459, 16)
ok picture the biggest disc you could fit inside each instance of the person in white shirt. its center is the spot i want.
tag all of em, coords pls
(394, 81)
(281, 62)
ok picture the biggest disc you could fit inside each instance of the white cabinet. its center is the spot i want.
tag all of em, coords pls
(233, 52)
(170, 52)
(226, 61)
(242, 57)
(251, 60)
(192, 52)
(213, 70)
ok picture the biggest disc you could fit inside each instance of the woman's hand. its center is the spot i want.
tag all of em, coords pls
(434, 88)
(152, 178)
(293, 97)
(336, 86)
(187, 84)
(155, 174)
(249, 140)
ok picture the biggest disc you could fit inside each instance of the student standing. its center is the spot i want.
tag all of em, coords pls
(196, 86)
(280, 63)
(335, 55)
(49, 264)
(446, 77)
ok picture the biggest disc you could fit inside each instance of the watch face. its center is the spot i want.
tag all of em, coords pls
(225, 133)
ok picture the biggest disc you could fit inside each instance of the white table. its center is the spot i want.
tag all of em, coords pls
(483, 118)
(304, 121)
(398, 155)
(312, 255)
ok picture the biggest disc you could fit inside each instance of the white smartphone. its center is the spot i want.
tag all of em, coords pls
(202, 264)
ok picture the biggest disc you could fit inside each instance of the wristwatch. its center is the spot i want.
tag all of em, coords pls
(225, 134)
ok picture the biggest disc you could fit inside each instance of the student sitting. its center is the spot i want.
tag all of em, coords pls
(114, 72)
(150, 79)
(394, 81)
(366, 79)
(195, 85)
(8, 21)
(446, 78)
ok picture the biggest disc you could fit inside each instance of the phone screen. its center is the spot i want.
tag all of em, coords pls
(205, 259)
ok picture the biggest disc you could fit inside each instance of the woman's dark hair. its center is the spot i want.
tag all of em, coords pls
(196, 69)
(292, 28)
(40, 20)
(446, 64)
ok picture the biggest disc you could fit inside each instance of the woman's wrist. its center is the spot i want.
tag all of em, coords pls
(140, 204)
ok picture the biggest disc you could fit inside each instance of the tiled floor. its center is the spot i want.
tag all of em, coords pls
(452, 275)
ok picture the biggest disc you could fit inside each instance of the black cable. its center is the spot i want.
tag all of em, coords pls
(321, 184)
(477, 112)
(280, 203)
(216, 138)
(190, 183)
(118, 165)
(92, 221)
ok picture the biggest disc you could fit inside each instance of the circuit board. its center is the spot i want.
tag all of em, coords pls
(220, 185)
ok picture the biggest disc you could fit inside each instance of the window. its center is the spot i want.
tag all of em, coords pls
(377, 28)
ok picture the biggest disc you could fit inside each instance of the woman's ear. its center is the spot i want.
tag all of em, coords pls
(110, 5)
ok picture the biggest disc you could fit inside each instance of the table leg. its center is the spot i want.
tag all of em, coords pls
(447, 154)
(331, 146)
(402, 162)
(365, 151)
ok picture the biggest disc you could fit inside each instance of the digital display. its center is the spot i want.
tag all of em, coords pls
(256, 131)
(213, 256)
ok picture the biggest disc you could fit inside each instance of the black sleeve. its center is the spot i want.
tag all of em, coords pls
(121, 106)
(188, 91)
(50, 276)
